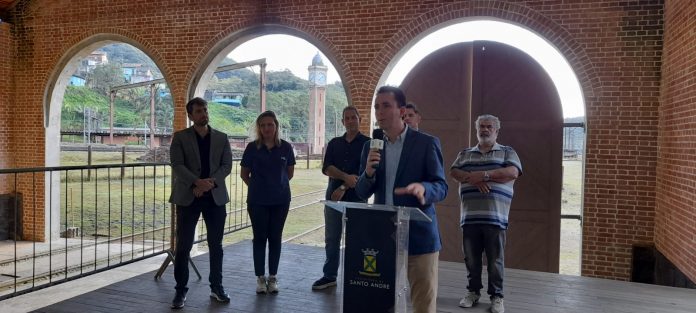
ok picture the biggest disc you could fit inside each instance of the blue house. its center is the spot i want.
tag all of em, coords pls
(77, 81)
(228, 97)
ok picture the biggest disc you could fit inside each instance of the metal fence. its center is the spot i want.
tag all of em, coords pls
(63, 223)
(68, 222)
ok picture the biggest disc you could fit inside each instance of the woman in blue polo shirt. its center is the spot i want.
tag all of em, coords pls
(268, 164)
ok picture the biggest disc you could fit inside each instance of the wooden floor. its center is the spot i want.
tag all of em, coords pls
(525, 291)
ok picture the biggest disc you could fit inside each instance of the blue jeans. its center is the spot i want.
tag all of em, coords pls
(267, 222)
(186, 220)
(332, 239)
(491, 240)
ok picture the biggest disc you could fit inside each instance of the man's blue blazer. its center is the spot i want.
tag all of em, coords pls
(420, 161)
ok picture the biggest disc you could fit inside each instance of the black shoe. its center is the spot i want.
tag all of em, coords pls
(323, 283)
(179, 300)
(220, 295)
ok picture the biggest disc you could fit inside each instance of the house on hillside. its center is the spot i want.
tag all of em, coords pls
(136, 73)
(232, 98)
(93, 60)
(77, 80)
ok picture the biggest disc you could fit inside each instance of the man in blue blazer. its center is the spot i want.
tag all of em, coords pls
(407, 172)
(201, 159)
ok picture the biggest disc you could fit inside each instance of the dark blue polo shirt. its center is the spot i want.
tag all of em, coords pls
(345, 156)
(269, 183)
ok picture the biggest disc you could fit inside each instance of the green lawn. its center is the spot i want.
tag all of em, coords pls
(104, 203)
(571, 234)
(572, 187)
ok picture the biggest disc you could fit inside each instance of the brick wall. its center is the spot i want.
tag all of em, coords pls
(675, 217)
(6, 88)
(613, 46)
(621, 146)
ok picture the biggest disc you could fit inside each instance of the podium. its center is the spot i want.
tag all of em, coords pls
(375, 258)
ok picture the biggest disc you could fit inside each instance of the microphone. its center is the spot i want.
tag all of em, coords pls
(377, 133)
(377, 143)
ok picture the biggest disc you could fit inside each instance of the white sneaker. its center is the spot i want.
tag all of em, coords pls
(272, 284)
(469, 300)
(497, 305)
(261, 287)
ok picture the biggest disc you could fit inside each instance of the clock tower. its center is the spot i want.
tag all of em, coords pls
(317, 104)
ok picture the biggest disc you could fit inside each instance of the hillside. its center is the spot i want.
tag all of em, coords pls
(286, 94)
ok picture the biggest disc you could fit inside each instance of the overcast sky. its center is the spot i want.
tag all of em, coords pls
(283, 52)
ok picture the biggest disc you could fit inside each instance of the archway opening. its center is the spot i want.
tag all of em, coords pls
(292, 74)
(301, 85)
(566, 86)
(107, 103)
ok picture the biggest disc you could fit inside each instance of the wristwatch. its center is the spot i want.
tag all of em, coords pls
(343, 187)
(486, 177)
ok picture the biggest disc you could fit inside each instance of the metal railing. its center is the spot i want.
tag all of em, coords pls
(71, 221)
(96, 218)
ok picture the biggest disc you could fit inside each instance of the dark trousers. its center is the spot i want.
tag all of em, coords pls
(267, 222)
(186, 220)
(332, 238)
(491, 240)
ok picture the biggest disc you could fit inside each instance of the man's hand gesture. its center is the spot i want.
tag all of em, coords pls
(415, 189)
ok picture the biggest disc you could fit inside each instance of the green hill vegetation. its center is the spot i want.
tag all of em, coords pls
(286, 94)
(128, 113)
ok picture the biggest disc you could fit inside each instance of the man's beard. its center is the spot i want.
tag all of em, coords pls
(486, 139)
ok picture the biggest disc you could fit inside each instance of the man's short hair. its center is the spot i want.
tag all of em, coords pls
(350, 108)
(488, 117)
(399, 95)
(413, 107)
(195, 101)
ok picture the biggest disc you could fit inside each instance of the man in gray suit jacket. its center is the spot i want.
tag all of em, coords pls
(201, 159)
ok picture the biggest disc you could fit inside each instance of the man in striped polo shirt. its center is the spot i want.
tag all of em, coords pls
(486, 174)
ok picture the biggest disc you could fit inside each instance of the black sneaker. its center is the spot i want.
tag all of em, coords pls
(323, 283)
(179, 300)
(220, 295)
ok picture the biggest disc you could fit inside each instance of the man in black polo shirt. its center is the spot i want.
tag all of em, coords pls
(201, 159)
(341, 164)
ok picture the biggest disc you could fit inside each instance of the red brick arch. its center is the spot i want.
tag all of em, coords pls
(614, 47)
(540, 24)
(56, 81)
(511, 13)
(238, 33)
(95, 37)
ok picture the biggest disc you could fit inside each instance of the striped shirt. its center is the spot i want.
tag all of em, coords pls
(491, 208)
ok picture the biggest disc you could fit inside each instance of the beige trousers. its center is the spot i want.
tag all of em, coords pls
(422, 276)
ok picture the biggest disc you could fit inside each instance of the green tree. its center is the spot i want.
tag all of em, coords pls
(335, 102)
(164, 109)
(104, 77)
(75, 100)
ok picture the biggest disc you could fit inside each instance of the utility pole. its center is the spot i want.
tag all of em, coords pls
(152, 116)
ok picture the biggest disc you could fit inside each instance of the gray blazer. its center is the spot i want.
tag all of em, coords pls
(186, 165)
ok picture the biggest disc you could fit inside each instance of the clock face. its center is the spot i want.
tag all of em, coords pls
(318, 78)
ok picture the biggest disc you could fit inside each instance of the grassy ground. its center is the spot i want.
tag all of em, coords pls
(571, 235)
(142, 197)
(80, 157)
(102, 202)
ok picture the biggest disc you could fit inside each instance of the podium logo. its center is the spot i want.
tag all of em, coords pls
(370, 263)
